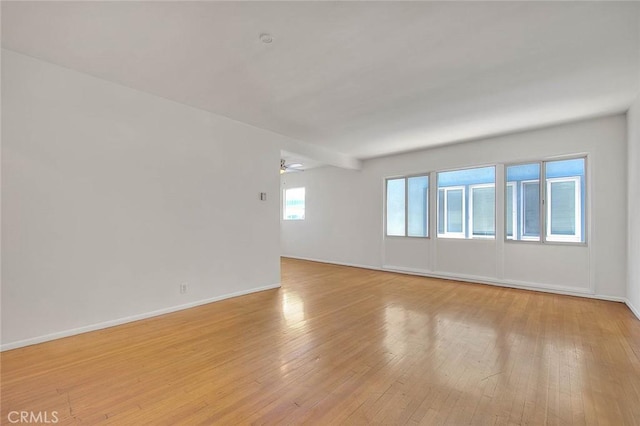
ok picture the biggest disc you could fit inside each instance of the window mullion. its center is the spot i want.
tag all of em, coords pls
(544, 202)
(445, 211)
(406, 207)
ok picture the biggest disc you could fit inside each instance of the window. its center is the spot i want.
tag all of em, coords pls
(531, 210)
(482, 205)
(408, 206)
(293, 204)
(560, 201)
(544, 201)
(396, 207)
(565, 204)
(418, 206)
(462, 191)
(523, 180)
(451, 212)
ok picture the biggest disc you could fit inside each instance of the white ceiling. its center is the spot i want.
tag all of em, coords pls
(360, 78)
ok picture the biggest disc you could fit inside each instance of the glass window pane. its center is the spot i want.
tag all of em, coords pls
(467, 177)
(395, 207)
(565, 168)
(523, 172)
(483, 211)
(418, 198)
(454, 210)
(294, 204)
(563, 208)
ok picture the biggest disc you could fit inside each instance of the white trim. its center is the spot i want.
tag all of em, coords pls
(500, 181)
(524, 237)
(407, 270)
(446, 234)
(514, 213)
(137, 317)
(577, 236)
(633, 309)
(406, 206)
(521, 285)
(609, 298)
(478, 186)
(589, 195)
(477, 279)
(331, 262)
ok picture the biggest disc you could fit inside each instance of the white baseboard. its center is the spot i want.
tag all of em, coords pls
(330, 262)
(522, 285)
(119, 321)
(476, 279)
(633, 309)
(546, 288)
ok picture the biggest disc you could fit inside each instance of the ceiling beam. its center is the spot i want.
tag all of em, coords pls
(321, 154)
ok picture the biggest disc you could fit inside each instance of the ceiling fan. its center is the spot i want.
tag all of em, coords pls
(287, 168)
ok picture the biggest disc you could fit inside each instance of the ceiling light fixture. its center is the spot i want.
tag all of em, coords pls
(285, 168)
(266, 38)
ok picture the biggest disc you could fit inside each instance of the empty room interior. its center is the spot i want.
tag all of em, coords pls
(320, 212)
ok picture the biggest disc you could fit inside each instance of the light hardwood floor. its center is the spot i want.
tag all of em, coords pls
(340, 345)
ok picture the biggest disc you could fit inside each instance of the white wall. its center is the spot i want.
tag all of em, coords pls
(344, 216)
(633, 278)
(112, 197)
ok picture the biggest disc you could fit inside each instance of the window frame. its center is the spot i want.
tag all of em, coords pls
(577, 236)
(406, 205)
(471, 234)
(523, 236)
(514, 213)
(581, 219)
(445, 233)
(284, 204)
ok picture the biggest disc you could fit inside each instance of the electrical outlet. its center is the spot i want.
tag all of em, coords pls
(183, 288)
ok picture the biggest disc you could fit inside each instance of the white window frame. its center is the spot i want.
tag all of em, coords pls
(577, 236)
(471, 188)
(406, 205)
(446, 234)
(284, 204)
(514, 211)
(524, 237)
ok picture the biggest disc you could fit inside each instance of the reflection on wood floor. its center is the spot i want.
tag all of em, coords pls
(340, 345)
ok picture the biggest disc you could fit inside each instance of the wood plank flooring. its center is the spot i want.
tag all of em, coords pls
(340, 345)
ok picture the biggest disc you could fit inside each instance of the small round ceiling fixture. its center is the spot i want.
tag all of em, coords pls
(266, 38)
